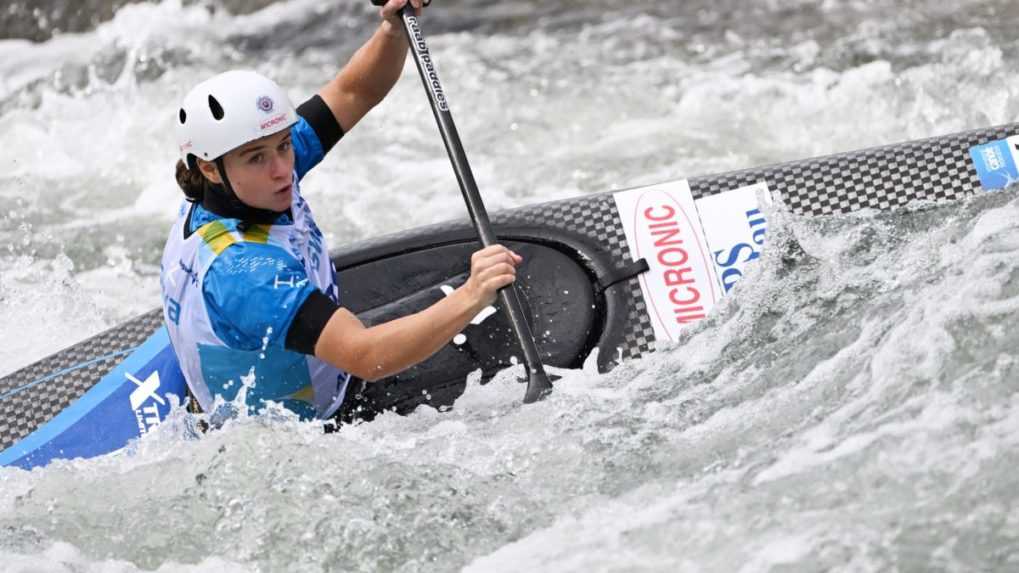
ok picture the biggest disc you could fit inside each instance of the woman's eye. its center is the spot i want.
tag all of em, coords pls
(285, 146)
(256, 158)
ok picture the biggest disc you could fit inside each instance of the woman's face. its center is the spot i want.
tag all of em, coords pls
(261, 172)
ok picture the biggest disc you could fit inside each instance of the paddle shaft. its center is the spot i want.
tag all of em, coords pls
(538, 384)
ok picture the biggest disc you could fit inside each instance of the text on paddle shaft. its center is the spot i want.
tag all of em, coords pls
(426, 60)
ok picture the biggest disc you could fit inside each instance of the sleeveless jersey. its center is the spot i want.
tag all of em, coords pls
(230, 292)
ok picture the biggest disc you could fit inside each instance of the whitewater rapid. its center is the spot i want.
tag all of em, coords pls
(854, 406)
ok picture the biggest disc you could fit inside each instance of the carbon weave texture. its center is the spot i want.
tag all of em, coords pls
(35, 394)
(596, 219)
(879, 178)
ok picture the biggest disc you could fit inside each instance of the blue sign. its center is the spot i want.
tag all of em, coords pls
(995, 164)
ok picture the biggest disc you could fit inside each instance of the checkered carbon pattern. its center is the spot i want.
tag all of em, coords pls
(595, 219)
(25, 405)
(880, 178)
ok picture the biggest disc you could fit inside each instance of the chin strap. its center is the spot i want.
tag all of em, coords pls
(230, 198)
(224, 201)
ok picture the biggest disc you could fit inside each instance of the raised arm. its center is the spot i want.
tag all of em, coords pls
(372, 71)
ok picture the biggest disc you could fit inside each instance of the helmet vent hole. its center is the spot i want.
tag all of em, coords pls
(215, 108)
(183, 116)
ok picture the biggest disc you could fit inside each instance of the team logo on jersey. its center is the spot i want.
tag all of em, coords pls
(266, 104)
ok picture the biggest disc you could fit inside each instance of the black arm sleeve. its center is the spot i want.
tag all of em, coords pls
(309, 322)
(322, 121)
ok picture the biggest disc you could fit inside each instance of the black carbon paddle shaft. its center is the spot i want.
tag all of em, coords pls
(538, 384)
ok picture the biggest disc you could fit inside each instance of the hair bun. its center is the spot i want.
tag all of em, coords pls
(192, 182)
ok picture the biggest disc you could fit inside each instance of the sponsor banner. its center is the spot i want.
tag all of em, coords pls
(696, 250)
(734, 227)
(662, 226)
(997, 162)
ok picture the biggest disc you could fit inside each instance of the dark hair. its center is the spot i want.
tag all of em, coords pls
(192, 182)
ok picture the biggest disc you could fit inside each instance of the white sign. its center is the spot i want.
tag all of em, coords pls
(662, 226)
(696, 250)
(734, 226)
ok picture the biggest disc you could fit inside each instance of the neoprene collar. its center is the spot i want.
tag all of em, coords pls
(221, 200)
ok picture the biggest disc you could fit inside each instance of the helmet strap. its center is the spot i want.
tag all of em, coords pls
(227, 187)
(224, 202)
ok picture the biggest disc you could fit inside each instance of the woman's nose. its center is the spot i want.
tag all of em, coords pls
(278, 168)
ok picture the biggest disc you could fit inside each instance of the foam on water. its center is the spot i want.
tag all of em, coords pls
(852, 407)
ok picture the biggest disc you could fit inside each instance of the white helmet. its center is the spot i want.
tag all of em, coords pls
(229, 110)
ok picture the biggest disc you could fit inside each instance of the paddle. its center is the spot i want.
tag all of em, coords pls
(538, 384)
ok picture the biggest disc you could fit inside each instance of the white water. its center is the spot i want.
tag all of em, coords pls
(853, 407)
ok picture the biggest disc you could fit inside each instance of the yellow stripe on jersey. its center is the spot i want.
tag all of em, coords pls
(257, 234)
(216, 236)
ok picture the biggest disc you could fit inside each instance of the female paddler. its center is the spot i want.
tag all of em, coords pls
(249, 293)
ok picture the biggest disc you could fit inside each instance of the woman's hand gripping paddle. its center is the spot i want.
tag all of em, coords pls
(538, 384)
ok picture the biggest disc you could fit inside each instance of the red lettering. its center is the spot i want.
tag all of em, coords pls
(666, 235)
(273, 121)
(685, 317)
(695, 295)
(674, 277)
(669, 212)
(664, 238)
(689, 310)
(663, 255)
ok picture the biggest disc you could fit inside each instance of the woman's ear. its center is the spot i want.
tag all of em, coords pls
(210, 171)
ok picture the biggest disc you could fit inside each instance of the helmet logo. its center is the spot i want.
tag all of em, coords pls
(266, 104)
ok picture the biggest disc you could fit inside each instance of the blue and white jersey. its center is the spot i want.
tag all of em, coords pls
(231, 291)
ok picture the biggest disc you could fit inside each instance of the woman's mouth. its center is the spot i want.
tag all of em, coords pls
(284, 189)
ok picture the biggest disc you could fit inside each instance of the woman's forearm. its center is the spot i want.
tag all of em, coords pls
(374, 68)
(372, 71)
(385, 349)
(391, 347)
(404, 342)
